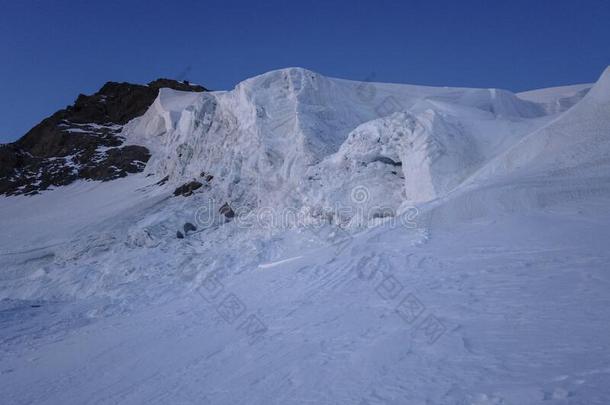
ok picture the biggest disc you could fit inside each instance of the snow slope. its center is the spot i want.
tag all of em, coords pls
(557, 99)
(395, 244)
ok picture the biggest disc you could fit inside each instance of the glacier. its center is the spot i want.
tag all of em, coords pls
(392, 244)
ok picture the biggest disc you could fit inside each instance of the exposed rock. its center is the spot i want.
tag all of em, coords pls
(176, 85)
(207, 177)
(117, 162)
(162, 181)
(82, 141)
(387, 161)
(384, 212)
(226, 210)
(187, 189)
(188, 227)
(179, 235)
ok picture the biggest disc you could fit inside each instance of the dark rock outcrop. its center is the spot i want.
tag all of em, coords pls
(176, 85)
(188, 227)
(162, 181)
(387, 161)
(207, 177)
(187, 189)
(227, 211)
(82, 141)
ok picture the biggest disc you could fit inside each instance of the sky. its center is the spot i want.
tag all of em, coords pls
(54, 50)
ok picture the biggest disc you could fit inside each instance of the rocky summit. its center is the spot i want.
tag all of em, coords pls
(83, 140)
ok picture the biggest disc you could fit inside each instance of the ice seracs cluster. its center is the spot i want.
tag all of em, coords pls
(294, 138)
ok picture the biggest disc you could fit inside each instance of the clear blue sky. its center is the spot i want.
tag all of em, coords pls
(53, 50)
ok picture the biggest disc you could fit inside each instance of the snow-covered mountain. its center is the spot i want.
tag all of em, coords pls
(304, 239)
(82, 141)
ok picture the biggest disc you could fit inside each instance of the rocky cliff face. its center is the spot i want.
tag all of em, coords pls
(82, 141)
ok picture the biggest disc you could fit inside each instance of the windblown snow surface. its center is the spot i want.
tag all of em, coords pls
(392, 244)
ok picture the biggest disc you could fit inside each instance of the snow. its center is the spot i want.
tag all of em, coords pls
(394, 244)
(578, 137)
(265, 139)
(273, 264)
(557, 99)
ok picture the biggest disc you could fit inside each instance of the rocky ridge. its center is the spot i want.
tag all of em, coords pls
(83, 140)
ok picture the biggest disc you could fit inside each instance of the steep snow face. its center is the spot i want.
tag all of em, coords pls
(566, 160)
(557, 99)
(272, 124)
(295, 138)
(576, 141)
